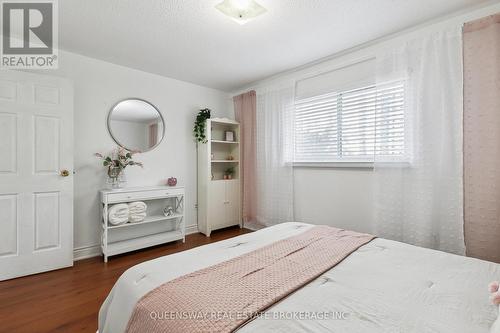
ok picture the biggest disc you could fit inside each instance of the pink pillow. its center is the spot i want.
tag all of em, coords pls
(495, 293)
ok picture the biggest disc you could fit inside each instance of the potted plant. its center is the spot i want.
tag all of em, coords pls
(200, 124)
(228, 174)
(116, 163)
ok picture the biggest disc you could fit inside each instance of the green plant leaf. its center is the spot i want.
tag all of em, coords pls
(199, 125)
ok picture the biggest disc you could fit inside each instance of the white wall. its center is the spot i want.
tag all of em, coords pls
(98, 85)
(342, 197)
(338, 197)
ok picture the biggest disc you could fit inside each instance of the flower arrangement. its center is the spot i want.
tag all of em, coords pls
(116, 162)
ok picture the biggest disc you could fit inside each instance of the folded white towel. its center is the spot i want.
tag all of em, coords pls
(134, 211)
(118, 214)
(137, 217)
(137, 207)
(137, 211)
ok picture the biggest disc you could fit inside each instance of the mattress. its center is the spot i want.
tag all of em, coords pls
(384, 286)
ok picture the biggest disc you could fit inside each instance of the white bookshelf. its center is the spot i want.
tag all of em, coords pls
(155, 229)
(149, 219)
(219, 203)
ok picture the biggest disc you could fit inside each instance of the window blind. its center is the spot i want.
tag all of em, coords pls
(353, 126)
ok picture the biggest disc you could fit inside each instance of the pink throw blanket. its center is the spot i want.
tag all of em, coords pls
(225, 296)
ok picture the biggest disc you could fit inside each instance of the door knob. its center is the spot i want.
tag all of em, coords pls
(64, 173)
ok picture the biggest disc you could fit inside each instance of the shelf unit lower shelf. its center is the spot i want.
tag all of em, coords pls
(142, 242)
(149, 219)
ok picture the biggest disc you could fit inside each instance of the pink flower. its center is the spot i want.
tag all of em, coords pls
(495, 298)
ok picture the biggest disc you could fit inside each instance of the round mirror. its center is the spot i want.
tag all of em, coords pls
(136, 125)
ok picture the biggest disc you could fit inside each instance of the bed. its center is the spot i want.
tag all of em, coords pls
(384, 286)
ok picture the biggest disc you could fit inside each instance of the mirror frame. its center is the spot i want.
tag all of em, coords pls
(108, 123)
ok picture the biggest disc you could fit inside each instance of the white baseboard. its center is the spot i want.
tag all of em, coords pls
(191, 229)
(91, 251)
(86, 252)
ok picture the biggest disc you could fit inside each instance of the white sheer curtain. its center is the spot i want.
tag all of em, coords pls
(421, 202)
(274, 151)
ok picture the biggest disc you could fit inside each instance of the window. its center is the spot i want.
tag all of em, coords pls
(355, 125)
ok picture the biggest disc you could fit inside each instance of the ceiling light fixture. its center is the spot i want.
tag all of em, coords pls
(241, 11)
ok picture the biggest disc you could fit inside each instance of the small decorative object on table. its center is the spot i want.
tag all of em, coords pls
(116, 163)
(229, 136)
(168, 211)
(172, 181)
(228, 174)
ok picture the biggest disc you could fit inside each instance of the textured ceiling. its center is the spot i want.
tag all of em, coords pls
(190, 40)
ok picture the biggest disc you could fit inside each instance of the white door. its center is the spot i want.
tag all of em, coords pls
(36, 194)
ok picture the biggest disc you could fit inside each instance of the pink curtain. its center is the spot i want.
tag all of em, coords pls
(245, 114)
(153, 135)
(482, 138)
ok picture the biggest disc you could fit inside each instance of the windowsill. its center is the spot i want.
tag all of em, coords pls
(369, 165)
(334, 165)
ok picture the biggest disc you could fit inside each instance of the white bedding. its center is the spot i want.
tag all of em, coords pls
(385, 286)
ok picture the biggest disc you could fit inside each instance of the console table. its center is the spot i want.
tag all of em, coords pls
(154, 230)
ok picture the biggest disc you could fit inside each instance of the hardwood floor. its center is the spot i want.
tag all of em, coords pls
(68, 300)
